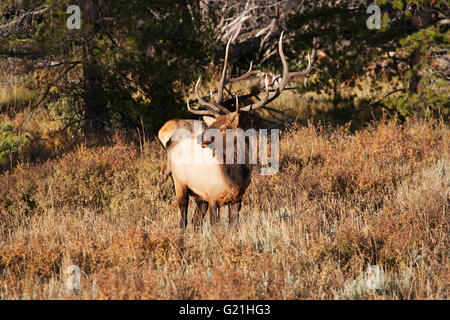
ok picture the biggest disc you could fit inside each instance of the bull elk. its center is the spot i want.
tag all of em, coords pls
(213, 183)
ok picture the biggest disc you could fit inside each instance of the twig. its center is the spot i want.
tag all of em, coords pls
(27, 115)
(280, 123)
(279, 112)
(392, 92)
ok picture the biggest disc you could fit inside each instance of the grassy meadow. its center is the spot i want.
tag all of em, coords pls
(343, 199)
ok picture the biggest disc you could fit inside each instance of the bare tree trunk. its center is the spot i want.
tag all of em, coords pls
(415, 77)
(94, 103)
(421, 20)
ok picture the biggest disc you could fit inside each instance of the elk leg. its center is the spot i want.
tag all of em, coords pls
(233, 213)
(200, 211)
(213, 213)
(183, 202)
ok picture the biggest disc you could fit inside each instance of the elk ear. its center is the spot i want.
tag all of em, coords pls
(209, 120)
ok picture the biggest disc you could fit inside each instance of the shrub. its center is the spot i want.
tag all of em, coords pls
(10, 142)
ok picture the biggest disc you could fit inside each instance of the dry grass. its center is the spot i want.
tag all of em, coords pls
(341, 201)
(17, 91)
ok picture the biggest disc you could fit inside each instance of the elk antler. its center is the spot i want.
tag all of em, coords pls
(224, 81)
(216, 108)
(209, 105)
(285, 77)
(260, 103)
(201, 112)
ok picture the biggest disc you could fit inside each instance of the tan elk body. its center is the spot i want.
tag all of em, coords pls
(211, 180)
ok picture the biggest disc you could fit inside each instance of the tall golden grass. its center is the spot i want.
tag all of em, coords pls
(341, 201)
